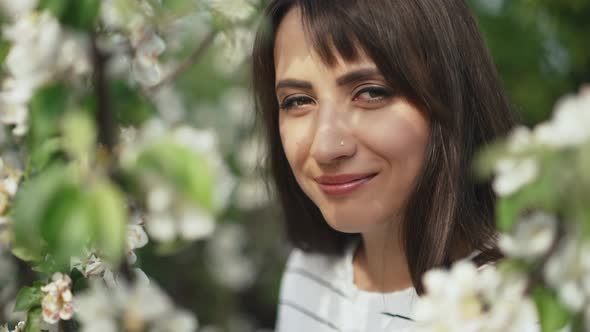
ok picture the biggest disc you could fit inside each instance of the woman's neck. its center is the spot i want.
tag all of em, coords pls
(379, 263)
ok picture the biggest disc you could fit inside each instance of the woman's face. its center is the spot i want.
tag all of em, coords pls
(354, 146)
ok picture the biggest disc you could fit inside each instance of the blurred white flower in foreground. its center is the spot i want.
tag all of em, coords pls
(140, 307)
(171, 214)
(568, 270)
(15, 9)
(235, 46)
(148, 47)
(467, 299)
(57, 303)
(513, 174)
(170, 217)
(40, 49)
(570, 124)
(227, 260)
(532, 236)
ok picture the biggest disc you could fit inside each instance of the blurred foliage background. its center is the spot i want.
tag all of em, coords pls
(231, 280)
(542, 51)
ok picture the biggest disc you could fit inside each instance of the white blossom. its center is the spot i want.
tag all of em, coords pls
(16, 9)
(227, 259)
(235, 46)
(520, 139)
(467, 299)
(532, 236)
(177, 321)
(57, 302)
(148, 47)
(137, 306)
(513, 174)
(36, 43)
(568, 270)
(570, 124)
(170, 214)
(169, 104)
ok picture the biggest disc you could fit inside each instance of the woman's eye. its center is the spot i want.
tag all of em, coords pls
(373, 94)
(296, 101)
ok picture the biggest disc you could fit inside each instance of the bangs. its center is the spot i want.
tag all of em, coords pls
(330, 29)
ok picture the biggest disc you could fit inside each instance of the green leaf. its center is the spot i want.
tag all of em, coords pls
(79, 134)
(27, 298)
(4, 49)
(47, 107)
(34, 319)
(42, 155)
(185, 169)
(130, 105)
(31, 204)
(55, 7)
(48, 266)
(67, 226)
(109, 218)
(81, 14)
(552, 314)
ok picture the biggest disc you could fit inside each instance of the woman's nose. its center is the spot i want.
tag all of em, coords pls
(332, 140)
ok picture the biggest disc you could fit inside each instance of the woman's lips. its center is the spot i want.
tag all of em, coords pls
(343, 188)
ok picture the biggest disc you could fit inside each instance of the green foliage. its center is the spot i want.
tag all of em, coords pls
(34, 318)
(76, 14)
(66, 225)
(185, 169)
(47, 107)
(79, 135)
(32, 203)
(131, 107)
(109, 220)
(27, 298)
(4, 49)
(541, 194)
(552, 314)
(55, 215)
(42, 155)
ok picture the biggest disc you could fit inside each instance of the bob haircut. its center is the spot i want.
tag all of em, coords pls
(432, 52)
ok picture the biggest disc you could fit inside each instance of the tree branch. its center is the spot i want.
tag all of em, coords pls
(189, 62)
(105, 118)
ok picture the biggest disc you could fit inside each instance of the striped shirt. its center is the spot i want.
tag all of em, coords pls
(318, 294)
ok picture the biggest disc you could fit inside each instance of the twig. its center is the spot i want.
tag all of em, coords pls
(104, 113)
(189, 62)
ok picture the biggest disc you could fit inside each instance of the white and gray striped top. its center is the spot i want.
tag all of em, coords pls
(318, 295)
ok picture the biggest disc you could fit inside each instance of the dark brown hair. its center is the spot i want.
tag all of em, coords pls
(433, 53)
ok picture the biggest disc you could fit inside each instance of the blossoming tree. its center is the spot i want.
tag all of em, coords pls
(96, 154)
(97, 160)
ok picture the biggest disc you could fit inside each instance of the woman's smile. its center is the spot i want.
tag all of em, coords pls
(342, 184)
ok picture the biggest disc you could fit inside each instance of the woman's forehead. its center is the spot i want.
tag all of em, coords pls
(293, 51)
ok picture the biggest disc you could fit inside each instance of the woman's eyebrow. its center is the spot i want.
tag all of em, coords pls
(292, 83)
(358, 75)
(350, 77)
